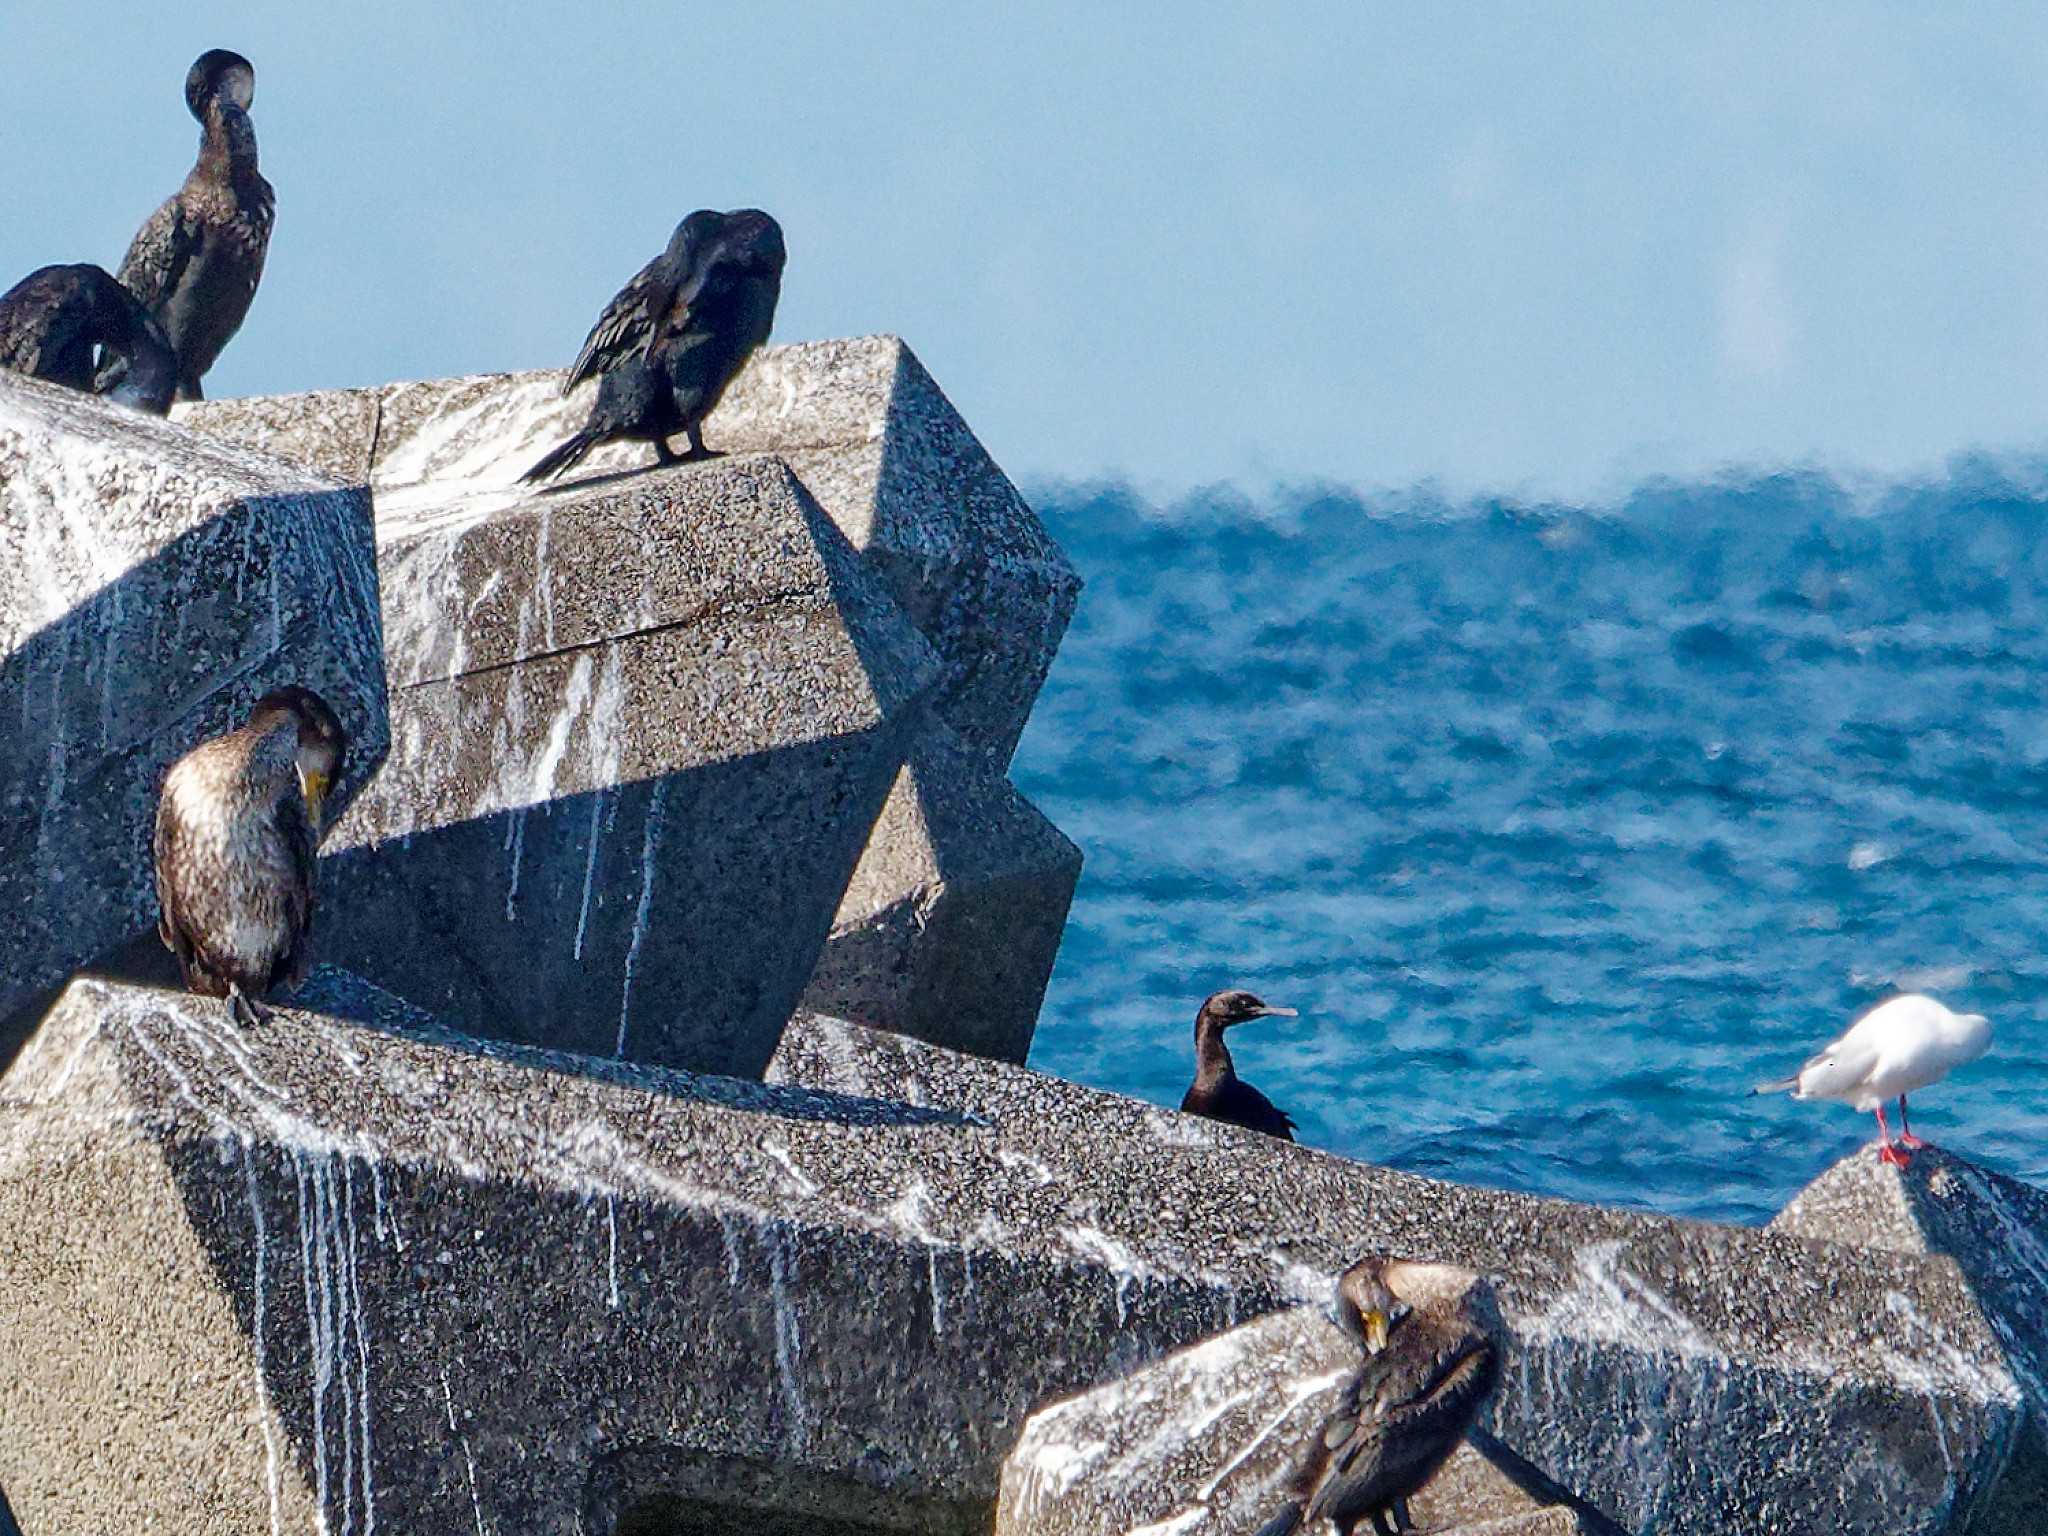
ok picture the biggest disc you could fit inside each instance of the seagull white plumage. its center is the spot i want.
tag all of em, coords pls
(1902, 1045)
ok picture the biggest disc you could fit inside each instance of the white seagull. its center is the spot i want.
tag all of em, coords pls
(1902, 1045)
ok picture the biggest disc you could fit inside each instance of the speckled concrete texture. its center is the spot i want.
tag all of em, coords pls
(1554, 1521)
(332, 432)
(129, 1400)
(641, 730)
(953, 920)
(957, 546)
(948, 927)
(1206, 1442)
(479, 1283)
(154, 583)
(1677, 1376)
(1996, 1231)
(861, 422)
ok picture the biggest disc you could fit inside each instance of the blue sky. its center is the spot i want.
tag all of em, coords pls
(1523, 248)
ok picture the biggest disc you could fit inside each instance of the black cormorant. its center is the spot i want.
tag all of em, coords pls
(53, 319)
(1218, 1092)
(196, 261)
(236, 828)
(1428, 1367)
(672, 339)
(634, 401)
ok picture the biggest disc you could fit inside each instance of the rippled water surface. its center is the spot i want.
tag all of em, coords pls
(1560, 827)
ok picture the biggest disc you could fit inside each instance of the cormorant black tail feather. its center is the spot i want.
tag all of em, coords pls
(564, 457)
(1285, 1523)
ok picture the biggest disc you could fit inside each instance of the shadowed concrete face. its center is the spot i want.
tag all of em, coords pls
(641, 731)
(370, 1268)
(153, 584)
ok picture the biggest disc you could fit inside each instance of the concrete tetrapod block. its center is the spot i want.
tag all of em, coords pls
(861, 422)
(319, 1270)
(1554, 1521)
(154, 582)
(1677, 1376)
(1996, 1230)
(1206, 1443)
(952, 922)
(470, 1284)
(641, 731)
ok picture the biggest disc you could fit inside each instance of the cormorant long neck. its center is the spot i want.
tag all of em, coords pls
(229, 146)
(270, 752)
(1212, 1057)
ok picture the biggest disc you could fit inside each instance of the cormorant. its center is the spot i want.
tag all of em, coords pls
(196, 261)
(236, 827)
(1428, 1367)
(51, 321)
(1899, 1047)
(672, 339)
(634, 401)
(1218, 1092)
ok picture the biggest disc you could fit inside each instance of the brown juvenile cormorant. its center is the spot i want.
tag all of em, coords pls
(236, 827)
(671, 340)
(196, 261)
(1428, 1367)
(1218, 1092)
(53, 319)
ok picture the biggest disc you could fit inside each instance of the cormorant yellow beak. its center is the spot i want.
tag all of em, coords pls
(1376, 1326)
(313, 785)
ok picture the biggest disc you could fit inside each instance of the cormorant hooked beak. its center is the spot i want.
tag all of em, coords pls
(1268, 1011)
(1377, 1325)
(313, 785)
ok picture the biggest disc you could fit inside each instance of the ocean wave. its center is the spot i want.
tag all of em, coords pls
(1574, 803)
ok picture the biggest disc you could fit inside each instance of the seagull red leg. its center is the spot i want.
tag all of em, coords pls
(1887, 1153)
(1907, 1139)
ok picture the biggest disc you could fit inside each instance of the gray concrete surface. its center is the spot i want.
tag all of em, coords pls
(642, 728)
(153, 584)
(1676, 1376)
(951, 924)
(861, 422)
(357, 1262)
(501, 604)
(328, 1267)
(1995, 1229)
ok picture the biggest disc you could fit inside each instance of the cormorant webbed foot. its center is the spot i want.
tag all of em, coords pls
(245, 1011)
(698, 453)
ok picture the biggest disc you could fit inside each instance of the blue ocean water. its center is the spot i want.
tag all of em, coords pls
(1560, 826)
